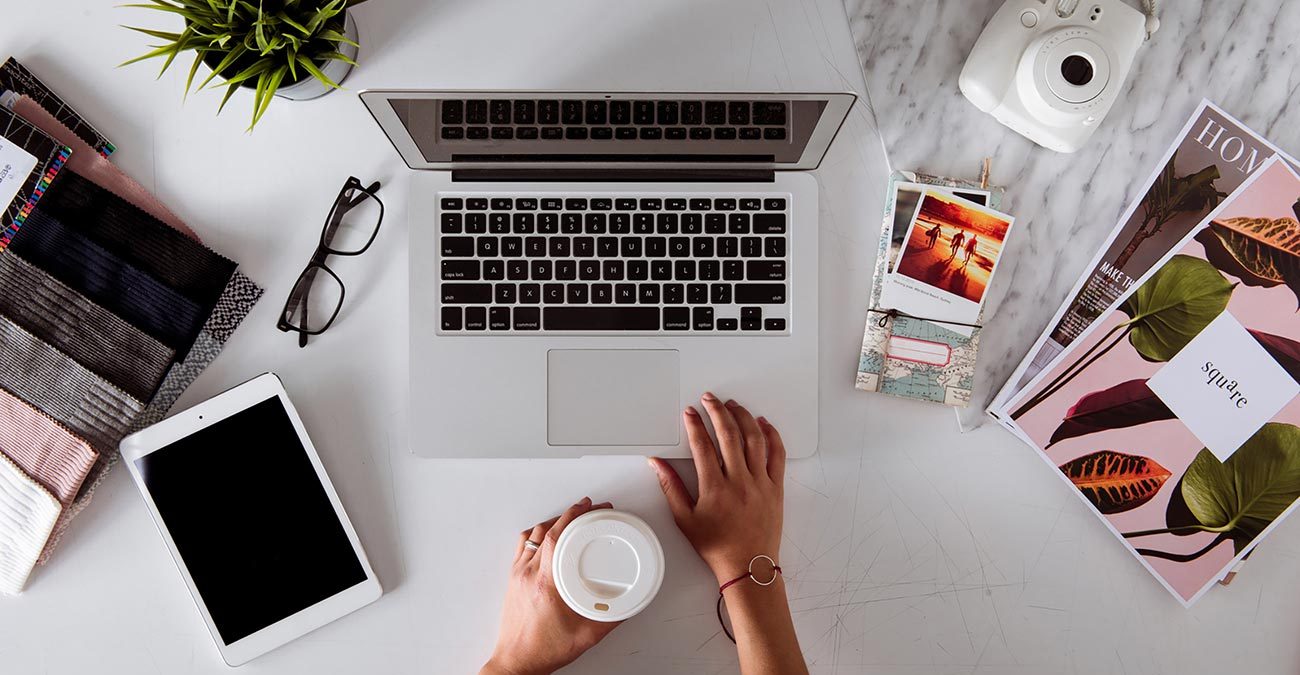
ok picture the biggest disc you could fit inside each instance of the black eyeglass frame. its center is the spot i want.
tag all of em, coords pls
(323, 251)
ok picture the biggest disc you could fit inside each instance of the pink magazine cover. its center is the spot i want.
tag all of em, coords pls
(1176, 415)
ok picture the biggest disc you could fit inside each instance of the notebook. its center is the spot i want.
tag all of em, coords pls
(30, 160)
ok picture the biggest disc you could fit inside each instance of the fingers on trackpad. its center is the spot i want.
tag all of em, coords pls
(612, 397)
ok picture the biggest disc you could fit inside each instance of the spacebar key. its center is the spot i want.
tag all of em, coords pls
(600, 318)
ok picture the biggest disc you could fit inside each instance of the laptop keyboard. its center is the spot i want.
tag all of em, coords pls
(610, 263)
(601, 119)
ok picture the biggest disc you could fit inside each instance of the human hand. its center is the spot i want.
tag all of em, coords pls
(539, 632)
(739, 511)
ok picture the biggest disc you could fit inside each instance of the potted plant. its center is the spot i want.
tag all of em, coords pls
(295, 49)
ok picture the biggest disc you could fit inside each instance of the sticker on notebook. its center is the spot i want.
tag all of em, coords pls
(16, 165)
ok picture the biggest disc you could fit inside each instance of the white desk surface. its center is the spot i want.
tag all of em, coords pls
(910, 548)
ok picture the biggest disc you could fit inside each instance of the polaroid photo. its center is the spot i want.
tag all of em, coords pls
(948, 258)
(907, 196)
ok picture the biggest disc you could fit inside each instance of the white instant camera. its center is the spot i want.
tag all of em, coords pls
(1051, 69)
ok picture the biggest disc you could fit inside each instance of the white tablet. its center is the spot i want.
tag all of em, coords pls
(252, 521)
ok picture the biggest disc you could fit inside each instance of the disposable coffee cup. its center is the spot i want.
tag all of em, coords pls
(608, 565)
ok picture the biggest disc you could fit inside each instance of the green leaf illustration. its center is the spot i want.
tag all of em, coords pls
(1259, 251)
(1174, 305)
(1244, 495)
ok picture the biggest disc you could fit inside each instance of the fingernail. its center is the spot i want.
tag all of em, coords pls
(733, 403)
(708, 396)
(586, 501)
(690, 410)
(651, 462)
(763, 421)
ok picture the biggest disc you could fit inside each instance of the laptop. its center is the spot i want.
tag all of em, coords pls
(583, 265)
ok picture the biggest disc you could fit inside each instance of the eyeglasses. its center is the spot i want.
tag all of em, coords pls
(317, 296)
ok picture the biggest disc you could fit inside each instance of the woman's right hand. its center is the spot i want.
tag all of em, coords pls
(738, 514)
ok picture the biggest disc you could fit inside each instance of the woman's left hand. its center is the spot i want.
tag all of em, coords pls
(539, 632)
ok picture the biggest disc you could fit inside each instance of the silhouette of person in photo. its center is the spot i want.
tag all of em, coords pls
(957, 240)
(970, 249)
(933, 234)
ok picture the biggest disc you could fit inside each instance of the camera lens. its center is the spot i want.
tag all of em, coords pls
(1076, 70)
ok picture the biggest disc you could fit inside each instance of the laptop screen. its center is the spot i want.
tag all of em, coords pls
(663, 129)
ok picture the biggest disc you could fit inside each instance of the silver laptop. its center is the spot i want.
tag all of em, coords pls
(584, 265)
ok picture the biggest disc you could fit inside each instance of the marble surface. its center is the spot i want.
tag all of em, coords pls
(1242, 55)
(910, 548)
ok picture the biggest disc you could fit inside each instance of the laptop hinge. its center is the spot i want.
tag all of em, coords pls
(597, 175)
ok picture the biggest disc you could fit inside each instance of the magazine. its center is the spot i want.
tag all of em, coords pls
(1175, 414)
(1213, 154)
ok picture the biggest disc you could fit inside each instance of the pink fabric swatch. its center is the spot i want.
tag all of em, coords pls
(43, 448)
(90, 165)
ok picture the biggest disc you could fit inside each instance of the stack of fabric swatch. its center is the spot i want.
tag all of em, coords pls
(111, 307)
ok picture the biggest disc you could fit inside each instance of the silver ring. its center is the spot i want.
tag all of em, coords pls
(531, 545)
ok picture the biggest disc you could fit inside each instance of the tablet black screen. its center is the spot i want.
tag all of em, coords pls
(251, 520)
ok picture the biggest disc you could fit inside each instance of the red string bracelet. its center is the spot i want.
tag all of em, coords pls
(749, 574)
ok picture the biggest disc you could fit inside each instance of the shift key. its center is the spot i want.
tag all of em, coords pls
(760, 294)
(466, 294)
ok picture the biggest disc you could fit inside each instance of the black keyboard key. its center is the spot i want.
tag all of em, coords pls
(571, 112)
(602, 204)
(667, 112)
(724, 204)
(460, 270)
(535, 247)
(679, 247)
(602, 294)
(499, 318)
(548, 223)
(692, 223)
(702, 318)
(575, 133)
(494, 270)
(476, 204)
(516, 270)
(452, 319)
(620, 223)
(620, 112)
(648, 294)
(612, 270)
(502, 204)
(476, 112)
(684, 270)
(530, 294)
(643, 223)
(457, 247)
(607, 247)
(528, 318)
(675, 204)
(453, 133)
(505, 294)
(727, 324)
(503, 133)
(625, 204)
(524, 223)
(476, 318)
(715, 112)
(774, 324)
(697, 294)
(584, 247)
(709, 270)
(738, 112)
(661, 270)
(677, 318)
(512, 247)
(666, 223)
(674, 294)
(595, 223)
(692, 112)
(575, 204)
(540, 270)
(700, 133)
(715, 223)
(720, 294)
(702, 247)
(643, 112)
(526, 204)
(601, 318)
(751, 312)
(724, 134)
(601, 133)
(638, 270)
(475, 223)
(552, 133)
(733, 270)
(751, 204)
(625, 294)
(752, 247)
(571, 223)
(597, 112)
(589, 270)
(466, 294)
(577, 294)
(774, 247)
(476, 133)
(701, 204)
(675, 133)
(774, 133)
(738, 223)
(552, 204)
(453, 112)
(453, 203)
(760, 294)
(625, 133)
(499, 223)
(750, 324)
(559, 247)
(630, 247)
(774, 204)
(526, 133)
(769, 113)
(525, 112)
(548, 112)
(650, 204)
(728, 247)
(651, 133)
(769, 223)
(750, 134)
(765, 270)
(499, 112)
(553, 294)
(451, 223)
(656, 247)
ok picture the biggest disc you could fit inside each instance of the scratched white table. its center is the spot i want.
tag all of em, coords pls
(910, 548)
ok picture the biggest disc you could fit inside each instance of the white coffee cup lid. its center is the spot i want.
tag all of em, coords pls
(608, 565)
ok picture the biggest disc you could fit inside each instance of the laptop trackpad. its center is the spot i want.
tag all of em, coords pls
(612, 397)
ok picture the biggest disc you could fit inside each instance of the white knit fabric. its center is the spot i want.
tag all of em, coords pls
(27, 516)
